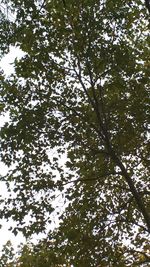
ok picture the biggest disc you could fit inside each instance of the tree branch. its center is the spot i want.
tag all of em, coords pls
(91, 179)
(136, 194)
(147, 4)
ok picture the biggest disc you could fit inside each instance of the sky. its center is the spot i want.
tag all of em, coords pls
(5, 234)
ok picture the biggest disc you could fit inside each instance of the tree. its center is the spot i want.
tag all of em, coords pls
(7, 255)
(81, 90)
(46, 254)
(30, 254)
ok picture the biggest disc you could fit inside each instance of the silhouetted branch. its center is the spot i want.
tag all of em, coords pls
(147, 4)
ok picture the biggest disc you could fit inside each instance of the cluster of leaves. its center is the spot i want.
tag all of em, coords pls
(48, 254)
(82, 89)
(29, 255)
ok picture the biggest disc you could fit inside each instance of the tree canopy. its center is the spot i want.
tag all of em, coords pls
(78, 106)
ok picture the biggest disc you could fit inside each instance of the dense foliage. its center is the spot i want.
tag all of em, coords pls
(78, 126)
